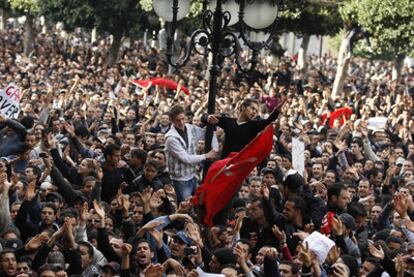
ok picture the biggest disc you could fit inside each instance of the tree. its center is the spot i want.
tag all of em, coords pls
(72, 13)
(30, 9)
(116, 17)
(390, 25)
(4, 11)
(315, 17)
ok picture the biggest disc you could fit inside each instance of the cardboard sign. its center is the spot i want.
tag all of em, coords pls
(298, 156)
(10, 101)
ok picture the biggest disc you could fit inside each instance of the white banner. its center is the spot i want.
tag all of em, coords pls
(10, 101)
(298, 156)
(377, 122)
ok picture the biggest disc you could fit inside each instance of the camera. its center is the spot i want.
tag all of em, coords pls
(190, 251)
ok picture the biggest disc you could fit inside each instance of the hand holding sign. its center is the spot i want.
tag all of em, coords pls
(10, 101)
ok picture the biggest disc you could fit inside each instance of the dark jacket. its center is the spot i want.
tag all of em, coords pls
(10, 145)
(164, 176)
(140, 183)
(69, 172)
(111, 182)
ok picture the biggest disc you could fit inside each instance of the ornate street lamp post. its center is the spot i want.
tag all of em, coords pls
(216, 38)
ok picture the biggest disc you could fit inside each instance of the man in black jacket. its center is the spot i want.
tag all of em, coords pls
(147, 179)
(12, 136)
(239, 132)
(112, 175)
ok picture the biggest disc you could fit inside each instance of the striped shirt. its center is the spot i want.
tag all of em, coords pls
(182, 158)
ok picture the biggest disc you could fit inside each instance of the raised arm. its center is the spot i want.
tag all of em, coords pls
(16, 126)
(5, 219)
(64, 187)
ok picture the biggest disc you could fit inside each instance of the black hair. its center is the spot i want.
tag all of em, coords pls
(46, 267)
(294, 182)
(152, 163)
(46, 131)
(248, 102)
(225, 256)
(176, 110)
(238, 202)
(258, 199)
(394, 239)
(335, 190)
(27, 121)
(299, 203)
(294, 268)
(247, 242)
(110, 149)
(139, 154)
(144, 240)
(358, 141)
(69, 212)
(331, 171)
(372, 260)
(357, 209)
(89, 246)
(51, 206)
(23, 148)
(36, 170)
(6, 251)
(88, 179)
(373, 172)
(24, 259)
(81, 131)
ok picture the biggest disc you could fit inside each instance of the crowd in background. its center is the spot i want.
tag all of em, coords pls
(90, 183)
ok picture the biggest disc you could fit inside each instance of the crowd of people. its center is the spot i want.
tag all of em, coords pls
(97, 175)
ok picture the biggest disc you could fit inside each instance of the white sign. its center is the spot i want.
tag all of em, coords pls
(10, 101)
(201, 273)
(377, 122)
(298, 156)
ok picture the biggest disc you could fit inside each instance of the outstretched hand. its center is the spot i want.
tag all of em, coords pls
(99, 210)
(212, 119)
(305, 255)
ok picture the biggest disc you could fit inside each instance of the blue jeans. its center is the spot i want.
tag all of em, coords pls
(185, 189)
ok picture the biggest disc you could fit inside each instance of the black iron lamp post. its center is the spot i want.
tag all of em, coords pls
(217, 38)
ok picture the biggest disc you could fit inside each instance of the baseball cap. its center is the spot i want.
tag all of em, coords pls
(53, 196)
(400, 161)
(348, 220)
(45, 186)
(183, 237)
(267, 170)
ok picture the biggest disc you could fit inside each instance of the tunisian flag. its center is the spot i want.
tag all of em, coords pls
(162, 82)
(341, 112)
(225, 176)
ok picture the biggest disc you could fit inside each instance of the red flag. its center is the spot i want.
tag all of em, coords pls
(344, 112)
(162, 82)
(225, 176)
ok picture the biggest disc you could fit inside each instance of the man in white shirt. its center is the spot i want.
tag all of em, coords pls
(182, 158)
